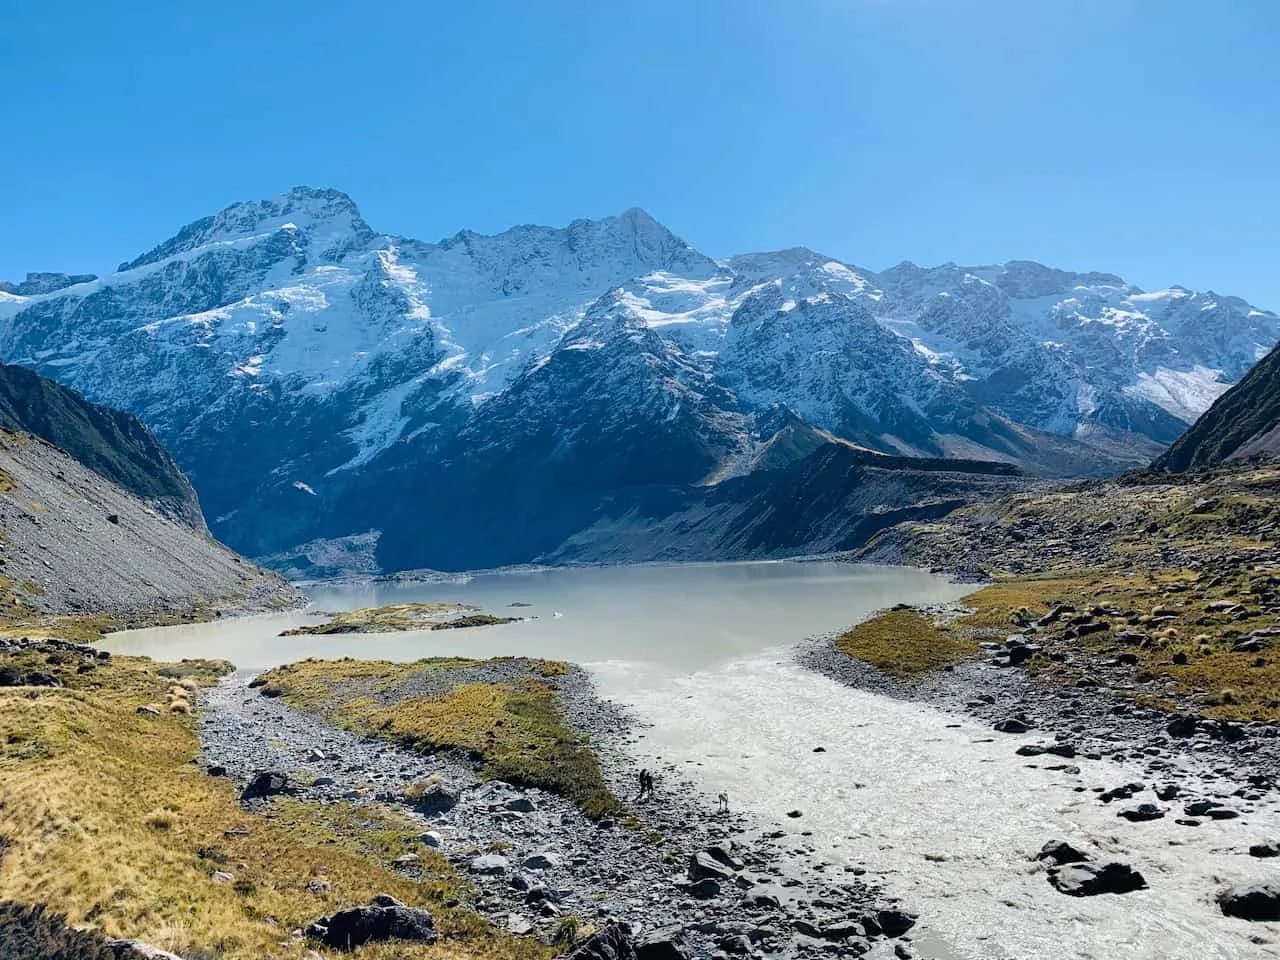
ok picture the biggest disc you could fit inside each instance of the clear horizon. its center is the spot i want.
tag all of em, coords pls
(1135, 138)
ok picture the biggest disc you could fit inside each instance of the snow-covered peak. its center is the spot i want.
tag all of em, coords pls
(329, 216)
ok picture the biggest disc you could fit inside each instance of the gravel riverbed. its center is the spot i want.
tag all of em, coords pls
(717, 882)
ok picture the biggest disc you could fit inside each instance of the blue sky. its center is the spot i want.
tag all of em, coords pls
(1136, 136)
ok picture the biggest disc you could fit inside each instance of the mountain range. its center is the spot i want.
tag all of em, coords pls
(573, 393)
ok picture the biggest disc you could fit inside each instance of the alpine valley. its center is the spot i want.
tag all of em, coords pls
(345, 400)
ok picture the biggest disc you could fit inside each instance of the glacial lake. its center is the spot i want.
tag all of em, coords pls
(938, 808)
(677, 618)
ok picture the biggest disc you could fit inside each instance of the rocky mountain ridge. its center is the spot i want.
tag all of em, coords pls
(318, 380)
(1242, 424)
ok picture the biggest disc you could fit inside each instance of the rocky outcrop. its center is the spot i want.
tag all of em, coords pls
(33, 932)
(1256, 901)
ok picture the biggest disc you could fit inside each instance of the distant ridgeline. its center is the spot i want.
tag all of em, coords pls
(604, 390)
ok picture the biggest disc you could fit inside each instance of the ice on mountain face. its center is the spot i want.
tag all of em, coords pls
(1185, 394)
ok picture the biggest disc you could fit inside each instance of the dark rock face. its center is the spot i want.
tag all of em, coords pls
(702, 865)
(39, 282)
(380, 921)
(1259, 901)
(895, 923)
(1090, 880)
(662, 944)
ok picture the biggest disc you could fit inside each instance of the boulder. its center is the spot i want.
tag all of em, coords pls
(1012, 725)
(520, 804)
(665, 943)
(704, 889)
(723, 856)
(1061, 853)
(894, 922)
(491, 864)
(435, 800)
(1141, 813)
(1181, 727)
(357, 926)
(265, 783)
(541, 861)
(610, 942)
(1198, 808)
(1254, 901)
(1265, 850)
(1091, 879)
(703, 865)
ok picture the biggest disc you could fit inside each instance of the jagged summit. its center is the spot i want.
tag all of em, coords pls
(325, 211)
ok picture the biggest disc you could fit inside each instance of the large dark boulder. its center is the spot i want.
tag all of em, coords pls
(1255, 901)
(265, 783)
(1091, 879)
(703, 866)
(387, 919)
(1061, 853)
(894, 922)
(435, 800)
(666, 943)
(611, 942)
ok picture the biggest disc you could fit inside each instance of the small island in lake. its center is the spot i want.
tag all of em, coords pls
(400, 617)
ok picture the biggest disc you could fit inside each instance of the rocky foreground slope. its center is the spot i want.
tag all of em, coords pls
(319, 380)
(114, 444)
(72, 542)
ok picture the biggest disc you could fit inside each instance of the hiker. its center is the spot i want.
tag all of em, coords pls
(646, 784)
(723, 799)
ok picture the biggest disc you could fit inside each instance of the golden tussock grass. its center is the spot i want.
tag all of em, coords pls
(106, 820)
(905, 643)
(514, 729)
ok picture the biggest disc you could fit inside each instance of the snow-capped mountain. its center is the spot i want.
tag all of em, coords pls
(319, 380)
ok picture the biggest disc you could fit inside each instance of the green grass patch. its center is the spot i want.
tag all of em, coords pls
(514, 730)
(904, 643)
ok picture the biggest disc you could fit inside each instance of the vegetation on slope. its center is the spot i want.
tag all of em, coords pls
(906, 643)
(105, 819)
(1166, 588)
(513, 727)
